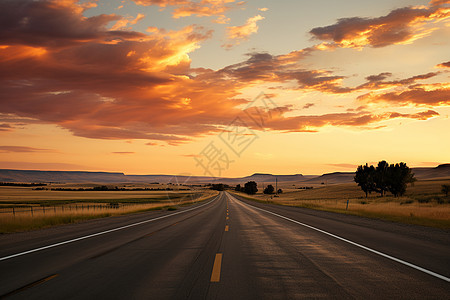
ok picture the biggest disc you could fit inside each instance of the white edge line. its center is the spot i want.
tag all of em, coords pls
(356, 244)
(101, 233)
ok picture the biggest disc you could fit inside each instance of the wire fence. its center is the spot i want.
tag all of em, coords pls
(58, 209)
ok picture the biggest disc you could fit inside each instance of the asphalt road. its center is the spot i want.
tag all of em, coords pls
(226, 248)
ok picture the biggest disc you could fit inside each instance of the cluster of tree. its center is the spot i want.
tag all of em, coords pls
(21, 184)
(219, 186)
(445, 189)
(384, 178)
(269, 189)
(250, 188)
(305, 187)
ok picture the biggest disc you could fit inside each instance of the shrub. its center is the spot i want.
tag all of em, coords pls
(407, 202)
(269, 189)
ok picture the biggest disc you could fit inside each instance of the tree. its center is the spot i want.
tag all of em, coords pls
(280, 191)
(382, 177)
(445, 189)
(237, 188)
(269, 189)
(365, 177)
(217, 186)
(250, 188)
(399, 175)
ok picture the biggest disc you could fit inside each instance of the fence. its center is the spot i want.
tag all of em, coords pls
(42, 210)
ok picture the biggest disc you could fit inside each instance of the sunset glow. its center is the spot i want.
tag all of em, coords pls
(146, 86)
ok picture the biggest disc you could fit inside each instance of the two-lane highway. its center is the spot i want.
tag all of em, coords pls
(227, 248)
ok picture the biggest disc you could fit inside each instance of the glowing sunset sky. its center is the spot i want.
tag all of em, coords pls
(164, 86)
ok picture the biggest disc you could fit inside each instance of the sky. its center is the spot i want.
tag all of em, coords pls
(223, 88)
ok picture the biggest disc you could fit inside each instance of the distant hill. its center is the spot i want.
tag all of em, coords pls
(59, 176)
(333, 178)
(440, 171)
(262, 177)
(7, 175)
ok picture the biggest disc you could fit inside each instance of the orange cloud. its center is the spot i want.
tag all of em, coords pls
(401, 26)
(419, 94)
(123, 152)
(56, 68)
(313, 123)
(13, 149)
(444, 65)
(439, 2)
(237, 34)
(375, 82)
(203, 8)
(124, 22)
(5, 127)
(71, 82)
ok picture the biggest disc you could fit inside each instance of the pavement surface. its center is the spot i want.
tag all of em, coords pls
(227, 248)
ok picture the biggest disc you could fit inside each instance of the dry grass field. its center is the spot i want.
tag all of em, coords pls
(22, 208)
(423, 203)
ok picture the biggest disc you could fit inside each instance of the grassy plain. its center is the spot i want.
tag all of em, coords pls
(423, 203)
(22, 208)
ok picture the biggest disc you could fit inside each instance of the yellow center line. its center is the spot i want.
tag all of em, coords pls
(215, 276)
(226, 228)
(227, 218)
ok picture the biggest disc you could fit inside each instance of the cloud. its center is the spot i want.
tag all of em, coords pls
(72, 83)
(42, 166)
(285, 68)
(439, 2)
(444, 65)
(308, 105)
(22, 149)
(379, 77)
(5, 127)
(375, 82)
(344, 166)
(190, 155)
(203, 8)
(123, 152)
(237, 34)
(419, 94)
(55, 68)
(312, 123)
(263, 9)
(55, 24)
(400, 26)
(124, 22)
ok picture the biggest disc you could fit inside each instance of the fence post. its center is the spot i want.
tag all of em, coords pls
(43, 208)
(54, 208)
(14, 212)
(31, 210)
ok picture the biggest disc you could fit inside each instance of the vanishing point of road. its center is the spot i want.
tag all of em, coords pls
(227, 248)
